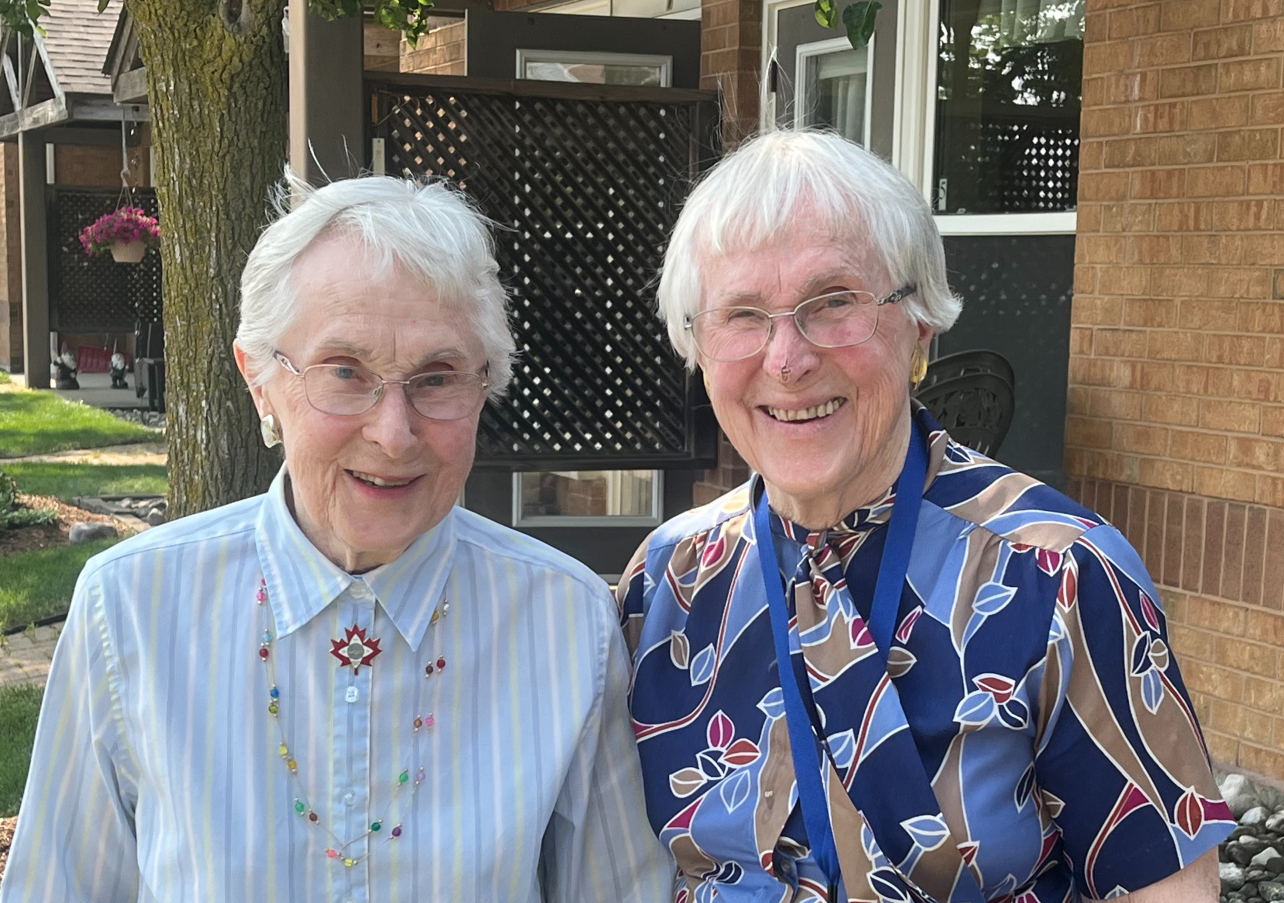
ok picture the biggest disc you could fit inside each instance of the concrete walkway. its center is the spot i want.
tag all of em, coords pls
(25, 657)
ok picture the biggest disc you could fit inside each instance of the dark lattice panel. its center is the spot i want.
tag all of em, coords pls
(1016, 293)
(92, 294)
(1033, 167)
(586, 193)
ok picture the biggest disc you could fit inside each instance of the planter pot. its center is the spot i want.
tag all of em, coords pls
(128, 252)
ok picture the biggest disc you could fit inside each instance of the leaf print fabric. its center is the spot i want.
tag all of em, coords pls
(1031, 729)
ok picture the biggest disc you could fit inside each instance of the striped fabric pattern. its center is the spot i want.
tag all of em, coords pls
(157, 774)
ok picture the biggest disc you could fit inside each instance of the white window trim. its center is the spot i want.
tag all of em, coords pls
(806, 52)
(664, 63)
(1060, 223)
(592, 520)
(914, 117)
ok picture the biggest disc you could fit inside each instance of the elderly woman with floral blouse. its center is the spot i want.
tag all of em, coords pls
(888, 668)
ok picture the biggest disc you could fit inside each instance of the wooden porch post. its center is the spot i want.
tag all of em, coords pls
(327, 116)
(35, 259)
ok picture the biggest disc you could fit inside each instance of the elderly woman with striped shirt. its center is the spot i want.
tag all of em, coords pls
(347, 688)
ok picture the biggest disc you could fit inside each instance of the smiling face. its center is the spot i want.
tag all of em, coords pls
(395, 327)
(829, 435)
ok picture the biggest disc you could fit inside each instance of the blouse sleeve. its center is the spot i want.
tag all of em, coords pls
(629, 596)
(1120, 762)
(75, 838)
(599, 844)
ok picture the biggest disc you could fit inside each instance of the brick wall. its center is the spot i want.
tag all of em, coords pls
(1176, 398)
(440, 52)
(99, 165)
(730, 53)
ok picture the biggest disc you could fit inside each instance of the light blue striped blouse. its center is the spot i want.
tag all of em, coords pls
(157, 773)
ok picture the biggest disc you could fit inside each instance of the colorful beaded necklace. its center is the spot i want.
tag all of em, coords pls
(337, 852)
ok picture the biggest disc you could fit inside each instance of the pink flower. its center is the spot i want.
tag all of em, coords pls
(128, 224)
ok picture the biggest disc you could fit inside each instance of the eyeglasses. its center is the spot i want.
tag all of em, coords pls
(832, 320)
(347, 390)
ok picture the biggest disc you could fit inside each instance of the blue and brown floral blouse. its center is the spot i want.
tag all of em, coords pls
(1030, 740)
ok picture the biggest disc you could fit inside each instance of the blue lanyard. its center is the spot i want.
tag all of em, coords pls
(882, 623)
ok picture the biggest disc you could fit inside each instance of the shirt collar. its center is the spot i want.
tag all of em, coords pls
(302, 582)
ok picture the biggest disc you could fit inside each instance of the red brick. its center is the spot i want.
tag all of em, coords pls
(1268, 36)
(1171, 409)
(1139, 439)
(1215, 181)
(1249, 75)
(1129, 23)
(1187, 81)
(1183, 216)
(1214, 542)
(1204, 314)
(1185, 149)
(1127, 217)
(1159, 312)
(1219, 112)
(1233, 416)
(1204, 448)
(1249, 351)
(1130, 152)
(1103, 121)
(1165, 474)
(1109, 57)
(1153, 249)
(1236, 216)
(1169, 116)
(1266, 178)
(1179, 15)
(1267, 108)
(1124, 280)
(1219, 43)
(1158, 183)
(1163, 50)
(1103, 186)
(1248, 144)
(1258, 454)
(1233, 562)
(1254, 557)
(1270, 628)
(1180, 281)
(1242, 10)
(1239, 282)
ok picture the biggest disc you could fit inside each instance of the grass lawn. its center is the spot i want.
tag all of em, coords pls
(38, 584)
(68, 480)
(36, 423)
(19, 709)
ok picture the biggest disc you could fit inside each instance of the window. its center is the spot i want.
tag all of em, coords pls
(1007, 108)
(578, 497)
(835, 88)
(594, 68)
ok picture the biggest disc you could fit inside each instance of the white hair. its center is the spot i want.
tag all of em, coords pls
(782, 179)
(428, 228)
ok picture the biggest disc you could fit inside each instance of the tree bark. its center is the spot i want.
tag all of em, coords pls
(216, 81)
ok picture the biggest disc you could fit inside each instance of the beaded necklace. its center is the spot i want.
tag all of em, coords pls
(337, 851)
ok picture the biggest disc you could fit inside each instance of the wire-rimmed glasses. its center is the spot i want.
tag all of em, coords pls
(832, 320)
(348, 389)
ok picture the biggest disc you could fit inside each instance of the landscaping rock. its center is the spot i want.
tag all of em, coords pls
(1271, 891)
(1239, 793)
(1275, 824)
(1232, 877)
(1265, 856)
(1255, 816)
(1252, 845)
(83, 532)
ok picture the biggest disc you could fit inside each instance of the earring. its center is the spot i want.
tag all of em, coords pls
(918, 365)
(270, 431)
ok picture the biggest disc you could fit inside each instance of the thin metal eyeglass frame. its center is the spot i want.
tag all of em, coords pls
(377, 395)
(899, 295)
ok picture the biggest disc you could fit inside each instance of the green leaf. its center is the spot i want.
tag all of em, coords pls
(860, 19)
(102, 4)
(827, 13)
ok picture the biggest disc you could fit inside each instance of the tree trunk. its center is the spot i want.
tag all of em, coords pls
(216, 80)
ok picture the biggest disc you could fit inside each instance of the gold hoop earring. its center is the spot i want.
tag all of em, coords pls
(918, 365)
(270, 431)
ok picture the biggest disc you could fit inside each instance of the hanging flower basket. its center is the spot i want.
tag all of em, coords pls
(127, 233)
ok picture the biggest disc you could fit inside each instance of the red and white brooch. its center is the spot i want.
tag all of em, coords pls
(355, 649)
